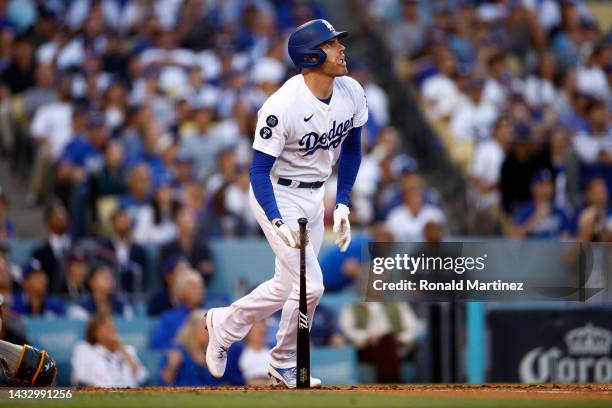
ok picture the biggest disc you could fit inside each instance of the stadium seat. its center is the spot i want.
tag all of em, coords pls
(334, 365)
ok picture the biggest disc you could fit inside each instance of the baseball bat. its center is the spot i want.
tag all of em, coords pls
(303, 335)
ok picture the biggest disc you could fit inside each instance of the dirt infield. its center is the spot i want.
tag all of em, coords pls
(591, 391)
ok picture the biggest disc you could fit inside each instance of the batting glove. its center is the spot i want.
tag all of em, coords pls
(282, 230)
(342, 225)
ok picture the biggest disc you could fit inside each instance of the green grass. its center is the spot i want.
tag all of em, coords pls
(306, 399)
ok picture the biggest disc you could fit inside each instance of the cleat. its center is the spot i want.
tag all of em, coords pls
(287, 377)
(216, 353)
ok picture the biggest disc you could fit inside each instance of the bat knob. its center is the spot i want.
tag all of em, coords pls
(302, 221)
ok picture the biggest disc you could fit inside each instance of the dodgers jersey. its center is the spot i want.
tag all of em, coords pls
(305, 134)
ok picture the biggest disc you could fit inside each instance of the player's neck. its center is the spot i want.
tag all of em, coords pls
(320, 85)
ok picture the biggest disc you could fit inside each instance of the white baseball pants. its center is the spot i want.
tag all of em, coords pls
(232, 323)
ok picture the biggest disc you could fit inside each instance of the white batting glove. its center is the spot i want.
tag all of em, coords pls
(342, 225)
(282, 230)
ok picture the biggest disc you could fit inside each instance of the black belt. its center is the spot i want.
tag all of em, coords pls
(300, 184)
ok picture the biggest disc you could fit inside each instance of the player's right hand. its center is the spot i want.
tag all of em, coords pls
(282, 230)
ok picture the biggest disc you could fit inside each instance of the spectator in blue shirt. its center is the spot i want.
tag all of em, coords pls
(340, 269)
(540, 218)
(185, 362)
(593, 221)
(164, 299)
(34, 300)
(190, 292)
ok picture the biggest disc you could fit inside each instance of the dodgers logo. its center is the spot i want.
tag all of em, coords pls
(311, 142)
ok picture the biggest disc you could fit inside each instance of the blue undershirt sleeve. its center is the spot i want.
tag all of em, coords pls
(348, 166)
(262, 185)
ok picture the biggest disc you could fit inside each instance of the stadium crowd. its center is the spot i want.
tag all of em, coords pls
(131, 122)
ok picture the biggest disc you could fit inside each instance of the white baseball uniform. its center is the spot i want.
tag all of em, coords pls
(304, 134)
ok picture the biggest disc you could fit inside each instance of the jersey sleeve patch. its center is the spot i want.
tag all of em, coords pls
(265, 132)
(271, 121)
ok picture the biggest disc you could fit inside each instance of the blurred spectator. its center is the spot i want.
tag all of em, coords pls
(474, 116)
(594, 219)
(484, 175)
(82, 158)
(539, 89)
(540, 217)
(522, 161)
(325, 330)
(102, 298)
(406, 36)
(103, 360)
(19, 74)
(594, 145)
(440, 93)
(185, 361)
(255, 357)
(239, 219)
(155, 223)
(126, 256)
(7, 229)
(75, 285)
(165, 298)
(187, 245)
(35, 300)
(190, 292)
(52, 254)
(51, 130)
(140, 185)
(110, 181)
(343, 268)
(406, 221)
(383, 333)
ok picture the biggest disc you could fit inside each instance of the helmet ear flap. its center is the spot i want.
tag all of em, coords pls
(315, 57)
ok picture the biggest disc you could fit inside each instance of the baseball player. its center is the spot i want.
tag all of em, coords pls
(311, 122)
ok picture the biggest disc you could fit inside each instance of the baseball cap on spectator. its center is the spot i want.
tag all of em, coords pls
(95, 120)
(403, 164)
(171, 263)
(33, 266)
(542, 175)
(522, 133)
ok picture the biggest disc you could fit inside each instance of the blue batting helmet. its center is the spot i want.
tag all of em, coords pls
(304, 42)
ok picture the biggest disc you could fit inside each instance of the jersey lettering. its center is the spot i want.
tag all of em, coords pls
(311, 142)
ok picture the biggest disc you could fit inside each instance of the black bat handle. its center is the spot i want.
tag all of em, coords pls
(303, 334)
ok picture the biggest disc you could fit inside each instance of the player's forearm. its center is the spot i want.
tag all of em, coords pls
(348, 167)
(262, 185)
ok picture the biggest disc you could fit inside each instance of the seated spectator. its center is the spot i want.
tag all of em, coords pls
(255, 357)
(239, 219)
(155, 223)
(185, 362)
(165, 298)
(472, 120)
(406, 221)
(343, 268)
(594, 219)
(594, 146)
(111, 179)
(102, 297)
(484, 175)
(190, 292)
(34, 300)
(139, 184)
(7, 230)
(81, 158)
(196, 251)
(324, 330)
(540, 218)
(103, 360)
(127, 257)
(75, 285)
(383, 333)
(52, 254)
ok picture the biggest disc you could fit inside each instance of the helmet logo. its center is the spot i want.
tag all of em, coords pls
(329, 26)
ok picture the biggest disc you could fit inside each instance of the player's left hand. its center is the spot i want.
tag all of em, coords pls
(343, 226)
